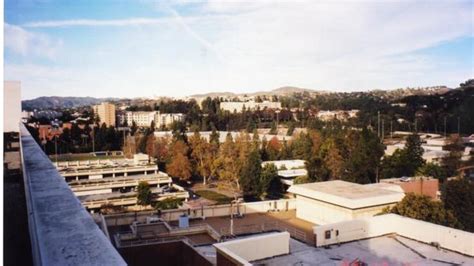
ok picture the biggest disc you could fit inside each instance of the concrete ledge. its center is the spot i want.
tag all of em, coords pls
(62, 232)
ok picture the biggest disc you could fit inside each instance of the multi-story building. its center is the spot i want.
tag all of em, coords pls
(113, 182)
(12, 106)
(144, 119)
(106, 113)
(251, 105)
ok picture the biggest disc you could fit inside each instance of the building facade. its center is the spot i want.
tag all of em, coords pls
(11, 106)
(106, 113)
(144, 119)
(238, 106)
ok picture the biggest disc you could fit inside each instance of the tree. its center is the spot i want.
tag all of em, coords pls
(273, 129)
(404, 162)
(168, 204)
(334, 161)
(144, 195)
(301, 146)
(458, 196)
(151, 146)
(269, 181)
(133, 128)
(250, 174)
(273, 149)
(453, 161)
(226, 163)
(423, 208)
(214, 137)
(414, 153)
(180, 166)
(316, 169)
(433, 170)
(203, 154)
(162, 153)
(291, 129)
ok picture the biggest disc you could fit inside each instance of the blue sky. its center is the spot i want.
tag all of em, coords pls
(176, 48)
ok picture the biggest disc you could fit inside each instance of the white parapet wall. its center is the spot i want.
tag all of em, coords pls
(446, 237)
(243, 251)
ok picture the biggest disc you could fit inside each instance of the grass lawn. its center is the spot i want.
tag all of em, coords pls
(211, 195)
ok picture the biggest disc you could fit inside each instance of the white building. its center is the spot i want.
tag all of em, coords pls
(252, 105)
(335, 201)
(288, 164)
(144, 119)
(342, 115)
(11, 106)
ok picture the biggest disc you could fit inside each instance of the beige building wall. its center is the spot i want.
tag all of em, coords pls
(448, 238)
(242, 251)
(11, 106)
(319, 212)
(106, 113)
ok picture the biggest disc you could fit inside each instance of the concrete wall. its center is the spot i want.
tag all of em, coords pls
(319, 212)
(62, 232)
(11, 106)
(208, 211)
(255, 248)
(448, 238)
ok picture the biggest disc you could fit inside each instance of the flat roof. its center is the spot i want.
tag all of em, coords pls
(347, 194)
(384, 250)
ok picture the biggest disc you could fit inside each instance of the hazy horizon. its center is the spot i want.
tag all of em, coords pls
(179, 48)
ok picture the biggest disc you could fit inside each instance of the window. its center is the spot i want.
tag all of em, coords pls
(327, 234)
(337, 232)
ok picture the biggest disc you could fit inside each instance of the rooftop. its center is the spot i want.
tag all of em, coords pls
(384, 250)
(347, 194)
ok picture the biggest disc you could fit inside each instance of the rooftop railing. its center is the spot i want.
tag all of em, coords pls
(62, 232)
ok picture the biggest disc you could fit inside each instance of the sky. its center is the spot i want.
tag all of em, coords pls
(119, 48)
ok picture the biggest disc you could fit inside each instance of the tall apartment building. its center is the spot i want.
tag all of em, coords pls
(106, 113)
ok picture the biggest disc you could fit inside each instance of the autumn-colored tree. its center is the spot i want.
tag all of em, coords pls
(203, 154)
(151, 145)
(130, 147)
(333, 160)
(226, 164)
(162, 150)
(273, 148)
(179, 165)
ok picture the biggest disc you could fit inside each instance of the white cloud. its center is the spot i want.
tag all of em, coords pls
(28, 43)
(349, 45)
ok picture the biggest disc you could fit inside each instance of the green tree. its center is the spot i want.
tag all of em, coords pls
(291, 129)
(250, 174)
(423, 208)
(433, 170)
(144, 195)
(414, 153)
(168, 204)
(273, 129)
(458, 196)
(270, 184)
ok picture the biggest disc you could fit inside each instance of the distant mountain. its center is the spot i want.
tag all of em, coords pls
(53, 102)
